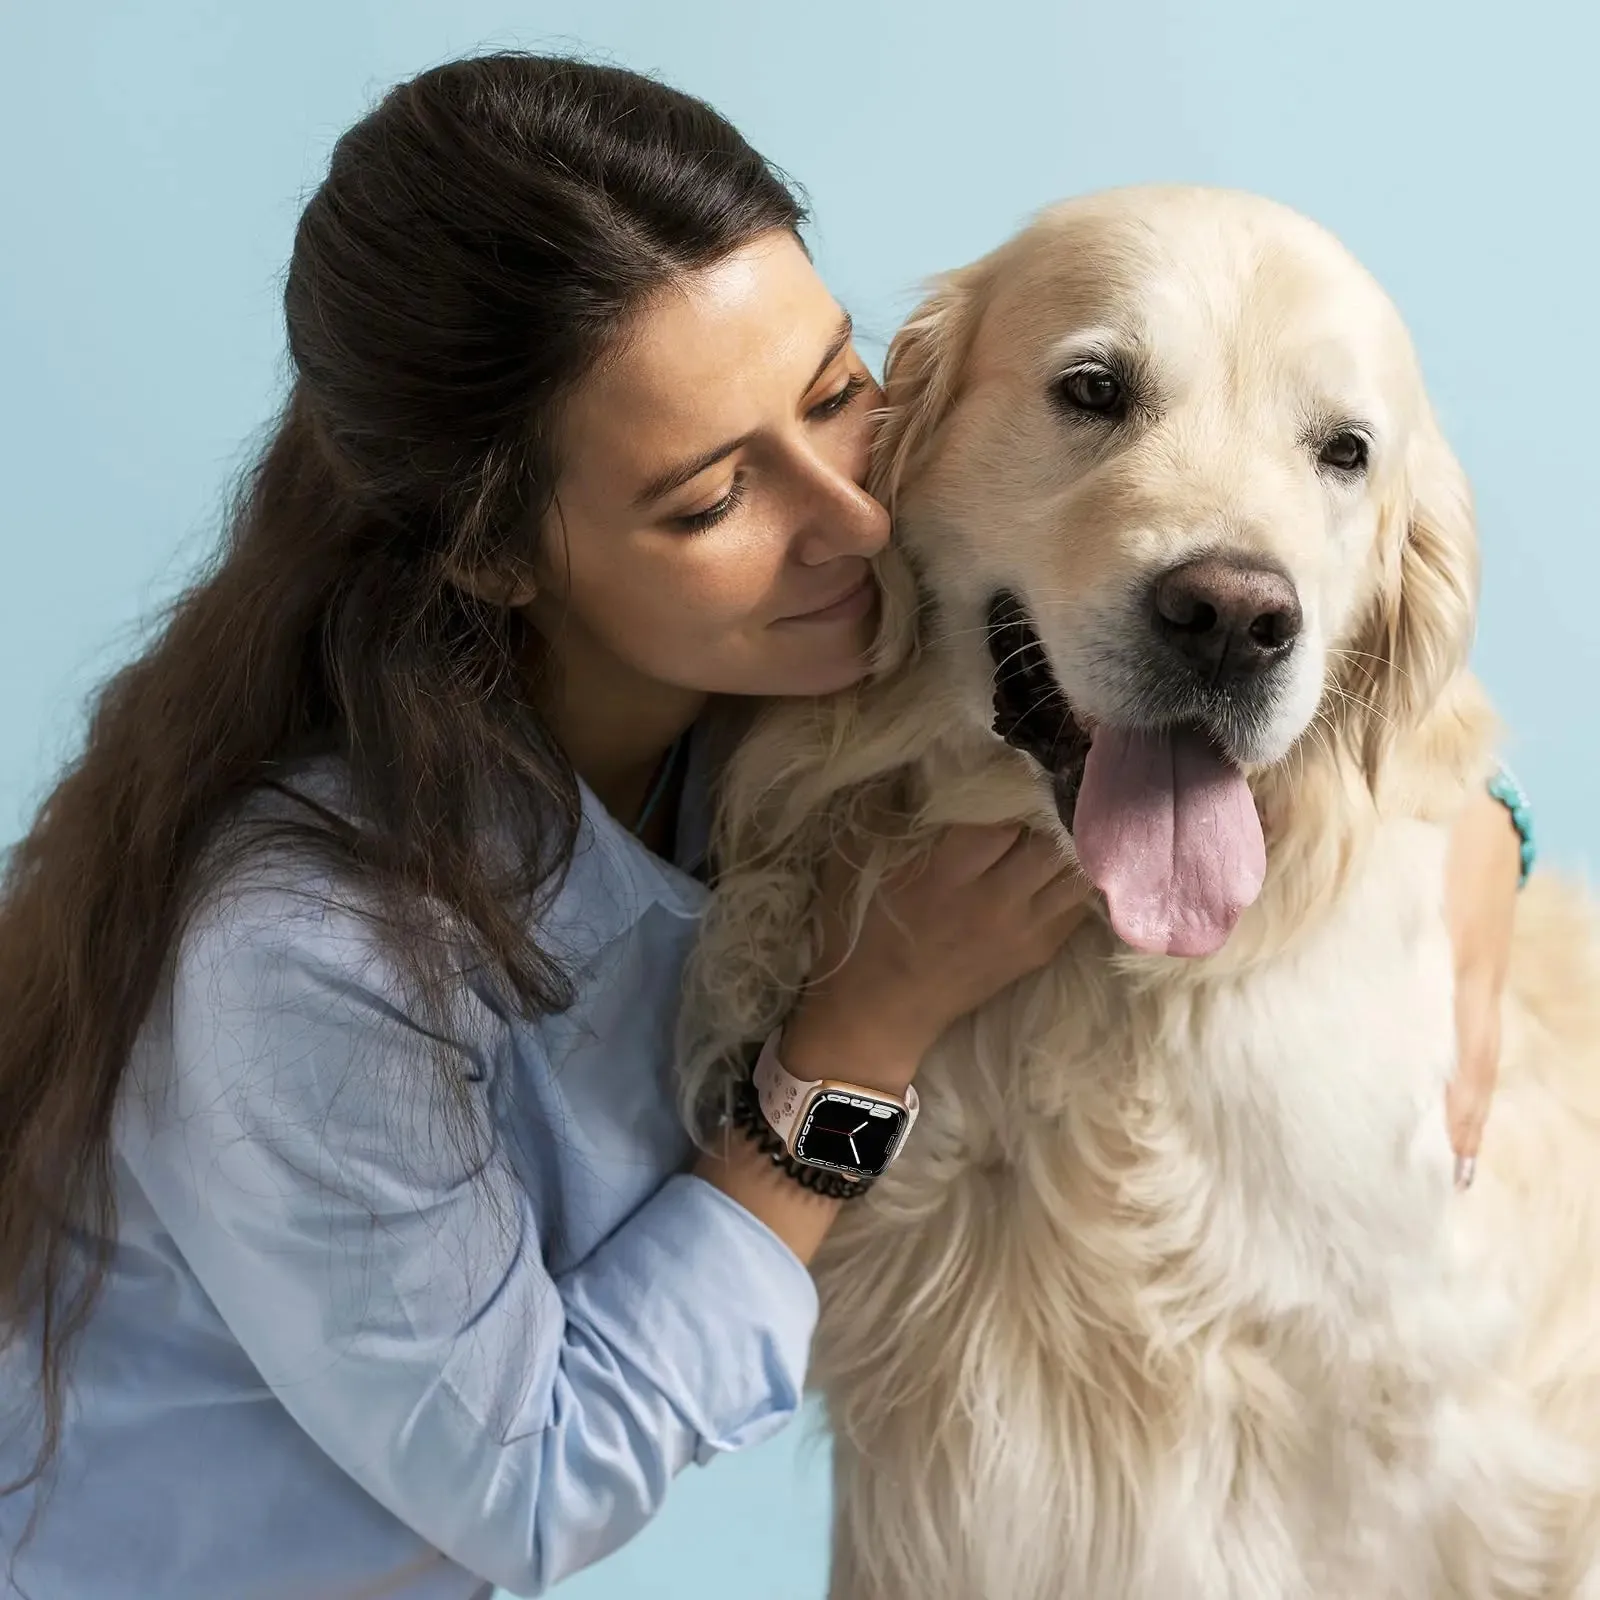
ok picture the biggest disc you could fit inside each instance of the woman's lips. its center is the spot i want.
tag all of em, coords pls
(855, 603)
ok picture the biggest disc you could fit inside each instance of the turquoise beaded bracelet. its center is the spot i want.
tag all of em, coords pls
(1505, 788)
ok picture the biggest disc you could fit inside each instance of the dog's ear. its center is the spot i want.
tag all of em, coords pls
(921, 376)
(921, 380)
(1420, 630)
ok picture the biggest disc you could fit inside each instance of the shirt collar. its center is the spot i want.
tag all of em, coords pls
(614, 881)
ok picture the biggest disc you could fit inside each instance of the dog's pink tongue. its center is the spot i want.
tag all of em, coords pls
(1168, 832)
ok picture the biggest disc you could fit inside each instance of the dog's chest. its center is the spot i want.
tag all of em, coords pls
(1225, 1264)
(1311, 1090)
(1279, 1131)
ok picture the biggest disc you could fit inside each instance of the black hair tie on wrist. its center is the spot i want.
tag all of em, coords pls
(746, 1116)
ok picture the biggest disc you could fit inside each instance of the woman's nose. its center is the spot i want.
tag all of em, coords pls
(842, 519)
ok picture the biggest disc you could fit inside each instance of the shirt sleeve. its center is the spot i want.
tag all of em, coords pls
(379, 1262)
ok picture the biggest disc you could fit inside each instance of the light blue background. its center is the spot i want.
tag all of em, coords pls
(152, 159)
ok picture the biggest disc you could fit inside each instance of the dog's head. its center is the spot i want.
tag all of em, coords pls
(1175, 500)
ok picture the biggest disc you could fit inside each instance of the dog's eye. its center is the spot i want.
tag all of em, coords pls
(1093, 389)
(1344, 452)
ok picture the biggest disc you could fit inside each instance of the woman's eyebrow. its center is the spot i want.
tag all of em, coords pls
(686, 471)
(675, 477)
(841, 337)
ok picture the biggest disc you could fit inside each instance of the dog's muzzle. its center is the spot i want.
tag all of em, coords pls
(1224, 624)
(1030, 711)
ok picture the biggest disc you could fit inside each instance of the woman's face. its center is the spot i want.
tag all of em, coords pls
(710, 531)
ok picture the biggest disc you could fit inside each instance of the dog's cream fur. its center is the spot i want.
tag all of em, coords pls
(1170, 1295)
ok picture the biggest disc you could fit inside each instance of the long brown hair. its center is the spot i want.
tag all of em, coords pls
(478, 240)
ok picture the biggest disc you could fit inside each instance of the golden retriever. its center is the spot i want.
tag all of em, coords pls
(1171, 1294)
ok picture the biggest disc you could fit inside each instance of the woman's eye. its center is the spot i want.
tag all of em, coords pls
(840, 399)
(698, 521)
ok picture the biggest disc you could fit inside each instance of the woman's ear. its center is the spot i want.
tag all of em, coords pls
(921, 382)
(1419, 633)
(504, 589)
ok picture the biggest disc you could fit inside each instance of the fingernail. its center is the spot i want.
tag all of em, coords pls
(1466, 1171)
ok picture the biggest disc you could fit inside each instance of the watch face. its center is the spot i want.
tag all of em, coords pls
(849, 1133)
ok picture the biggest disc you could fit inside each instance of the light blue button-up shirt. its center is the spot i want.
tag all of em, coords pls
(331, 1361)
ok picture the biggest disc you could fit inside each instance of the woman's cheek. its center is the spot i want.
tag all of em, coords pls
(741, 584)
(858, 459)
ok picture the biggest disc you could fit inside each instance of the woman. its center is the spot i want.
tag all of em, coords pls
(339, 1173)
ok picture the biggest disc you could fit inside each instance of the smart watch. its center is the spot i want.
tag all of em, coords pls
(828, 1123)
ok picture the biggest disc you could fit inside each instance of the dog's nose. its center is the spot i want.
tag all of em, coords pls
(1227, 618)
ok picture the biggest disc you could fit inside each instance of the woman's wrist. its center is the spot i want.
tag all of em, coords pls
(825, 1039)
(799, 1216)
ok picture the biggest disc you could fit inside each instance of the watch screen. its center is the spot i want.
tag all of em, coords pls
(849, 1133)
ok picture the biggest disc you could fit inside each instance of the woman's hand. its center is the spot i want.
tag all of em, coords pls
(939, 938)
(986, 906)
(1480, 901)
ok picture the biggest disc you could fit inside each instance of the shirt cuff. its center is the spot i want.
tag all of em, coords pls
(709, 1305)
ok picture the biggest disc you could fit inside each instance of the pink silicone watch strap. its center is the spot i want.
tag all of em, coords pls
(783, 1097)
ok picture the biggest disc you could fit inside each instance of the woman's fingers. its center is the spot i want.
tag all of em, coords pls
(1485, 866)
(1471, 1091)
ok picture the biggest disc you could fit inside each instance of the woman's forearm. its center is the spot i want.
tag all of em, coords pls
(820, 1041)
(800, 1217)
